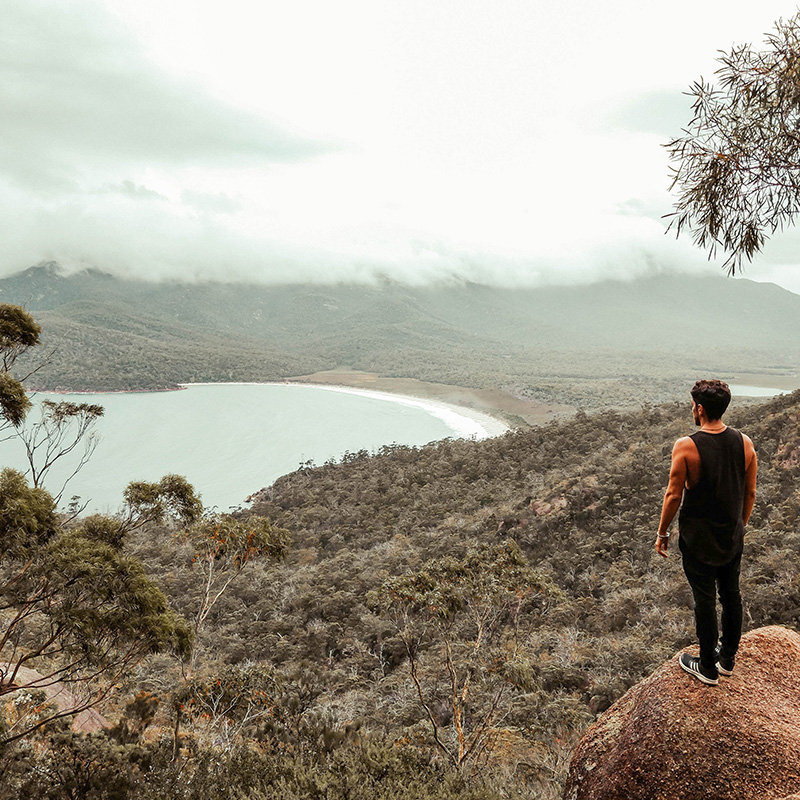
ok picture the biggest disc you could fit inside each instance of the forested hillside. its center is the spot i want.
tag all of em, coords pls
(517, 571)
(582, 346)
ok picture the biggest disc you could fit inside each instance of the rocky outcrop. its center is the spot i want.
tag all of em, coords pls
(86, 721)
(673, 737)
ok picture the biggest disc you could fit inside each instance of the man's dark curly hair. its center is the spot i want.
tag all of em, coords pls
(713, 395)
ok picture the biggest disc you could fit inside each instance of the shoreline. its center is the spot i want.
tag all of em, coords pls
(466, 423)
(484, 426)
(493, 406)
(495, 403)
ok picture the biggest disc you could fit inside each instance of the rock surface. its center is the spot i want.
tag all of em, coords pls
(673, 737)
(86, 721)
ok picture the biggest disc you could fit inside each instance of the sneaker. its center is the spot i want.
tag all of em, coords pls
(724, 663)
(692, 665)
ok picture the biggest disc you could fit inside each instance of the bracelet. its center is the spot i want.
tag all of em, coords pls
(663, 535)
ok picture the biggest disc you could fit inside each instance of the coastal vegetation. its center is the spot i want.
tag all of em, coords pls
(434, 622)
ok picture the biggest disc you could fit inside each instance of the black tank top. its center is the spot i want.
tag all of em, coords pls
(710, 521)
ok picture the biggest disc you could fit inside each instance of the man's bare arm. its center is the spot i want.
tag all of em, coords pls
(678, 473)
(750, 478)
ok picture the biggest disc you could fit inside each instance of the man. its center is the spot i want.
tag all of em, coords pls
(714, 473)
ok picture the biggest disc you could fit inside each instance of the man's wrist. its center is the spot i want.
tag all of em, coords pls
(663, 535)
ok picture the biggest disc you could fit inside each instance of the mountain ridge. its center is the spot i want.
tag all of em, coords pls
(526, 341)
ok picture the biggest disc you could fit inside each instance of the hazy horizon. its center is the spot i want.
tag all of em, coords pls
(379, 279)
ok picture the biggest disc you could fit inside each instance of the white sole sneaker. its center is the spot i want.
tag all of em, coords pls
(691, 665)
(722, 671)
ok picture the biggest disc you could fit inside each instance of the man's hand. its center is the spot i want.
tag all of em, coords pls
(662, 545)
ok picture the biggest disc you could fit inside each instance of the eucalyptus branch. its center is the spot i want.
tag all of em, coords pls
(737, 166)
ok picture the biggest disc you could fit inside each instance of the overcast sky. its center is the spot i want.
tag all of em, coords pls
(508, 141)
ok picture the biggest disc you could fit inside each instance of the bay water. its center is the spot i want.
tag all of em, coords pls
(230, 440)
(744, 390)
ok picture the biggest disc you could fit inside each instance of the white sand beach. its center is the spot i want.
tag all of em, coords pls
(466, 423)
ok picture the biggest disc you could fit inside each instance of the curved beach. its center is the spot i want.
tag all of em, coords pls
(495, 404)
(465, 423)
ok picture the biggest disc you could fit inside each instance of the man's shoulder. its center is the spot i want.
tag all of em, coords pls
(749, 447)
(684, 445)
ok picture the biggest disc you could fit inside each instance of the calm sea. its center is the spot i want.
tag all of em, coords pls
(230, 440)
(755, 391)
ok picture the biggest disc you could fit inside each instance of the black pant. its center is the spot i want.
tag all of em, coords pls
(705, 581)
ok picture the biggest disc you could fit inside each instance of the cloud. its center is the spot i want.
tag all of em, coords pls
(477, 151)
(77, 94)
(133, 231)
(108, 160)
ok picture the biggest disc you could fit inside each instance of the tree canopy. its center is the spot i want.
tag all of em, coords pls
(73, 605)
(468, 609)
(736, 167)
(18, 333)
